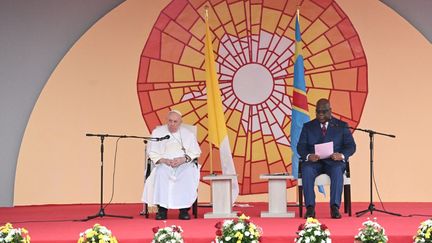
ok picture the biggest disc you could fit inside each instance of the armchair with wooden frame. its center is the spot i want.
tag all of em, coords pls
(324, 179)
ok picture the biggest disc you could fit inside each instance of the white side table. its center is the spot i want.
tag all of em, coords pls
(277, 196)
(221, 196)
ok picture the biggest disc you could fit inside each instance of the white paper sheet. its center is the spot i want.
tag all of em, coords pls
(324, 150)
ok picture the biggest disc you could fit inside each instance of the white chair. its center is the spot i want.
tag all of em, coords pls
(324, 179)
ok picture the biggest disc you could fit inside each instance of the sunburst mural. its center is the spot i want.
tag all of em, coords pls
(254, 49)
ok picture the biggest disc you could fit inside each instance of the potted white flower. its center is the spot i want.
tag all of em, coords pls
(424, 232)
(240, 230)
(10, 234)
(371, 232)
(98, 233)
(169, 234)
(313, 231)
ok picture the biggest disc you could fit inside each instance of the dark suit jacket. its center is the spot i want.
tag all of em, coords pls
(337, 131)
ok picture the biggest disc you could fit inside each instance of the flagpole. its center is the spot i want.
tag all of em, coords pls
(298, 191)
(209, 134)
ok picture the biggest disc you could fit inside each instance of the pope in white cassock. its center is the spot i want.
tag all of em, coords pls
(174, 181)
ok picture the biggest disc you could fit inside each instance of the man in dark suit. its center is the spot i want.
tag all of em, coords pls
(323, 129)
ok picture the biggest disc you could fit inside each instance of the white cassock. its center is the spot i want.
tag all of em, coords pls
(172, 187)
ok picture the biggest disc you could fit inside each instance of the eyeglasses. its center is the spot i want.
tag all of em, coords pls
(322, 111)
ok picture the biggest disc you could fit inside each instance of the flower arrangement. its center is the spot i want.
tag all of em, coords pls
(171, 234)
(239, 230)
(98, 234)
(312, 231)
(10, 234)
(371, 232)
(424, 232)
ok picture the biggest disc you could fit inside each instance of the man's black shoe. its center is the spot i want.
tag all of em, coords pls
(161, 215)
(184, 215)
(334, 211)
(310, 212)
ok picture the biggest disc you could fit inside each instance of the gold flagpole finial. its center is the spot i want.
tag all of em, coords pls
(206, 7)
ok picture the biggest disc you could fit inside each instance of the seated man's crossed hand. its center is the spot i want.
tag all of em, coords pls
(173, 162)
(334, 156)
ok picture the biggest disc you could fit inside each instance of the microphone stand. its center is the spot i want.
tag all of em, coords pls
(102, 137)
(371, 208)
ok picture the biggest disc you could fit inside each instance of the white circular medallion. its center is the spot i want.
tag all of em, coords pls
(253, 83)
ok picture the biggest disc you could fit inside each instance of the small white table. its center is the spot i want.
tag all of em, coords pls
(221, 196)
(277, 196)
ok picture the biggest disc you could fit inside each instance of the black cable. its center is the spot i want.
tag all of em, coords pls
(45, 221)
(113, 175)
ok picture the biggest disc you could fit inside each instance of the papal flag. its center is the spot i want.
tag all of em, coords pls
(217, 129)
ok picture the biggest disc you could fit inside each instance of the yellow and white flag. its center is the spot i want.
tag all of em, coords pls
(217, 129)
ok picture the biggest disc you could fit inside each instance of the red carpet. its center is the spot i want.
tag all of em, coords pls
(139, 229)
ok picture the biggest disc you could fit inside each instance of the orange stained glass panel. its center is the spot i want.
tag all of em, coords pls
(286, 153)
(338, 100)
(198, 30)
(258, 152)
(334, 35)
(273, 17)
(160, 99)
(182, 73)
(310, 10)
(240, 146)
(171, 49)
(159, 71)
(174, 8)
(257, 168)
(319, 44)
(237, 12)
(256, 14)
(222, 12)
(314, 31)
(272, 152)
(346, 29)
(330, 17)
(356, 47)
(275, 4)
(356, 100)
(239, 166)
(152, 47)
(187, 17)
(321, 59)
(345, 79)
(362, 79)
(278, 167)
(322, 80)
(176, 31)
(247, 170)
(192, 58)
(341, 52)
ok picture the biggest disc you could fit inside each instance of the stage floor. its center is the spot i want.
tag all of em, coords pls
(58, 223)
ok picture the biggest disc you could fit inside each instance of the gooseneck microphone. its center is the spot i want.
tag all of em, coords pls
(163, 138)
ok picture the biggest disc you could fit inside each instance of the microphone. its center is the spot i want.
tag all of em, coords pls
(163, 138)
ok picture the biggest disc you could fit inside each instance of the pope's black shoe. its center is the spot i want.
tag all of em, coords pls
(310, 212)
(334, 211)
(161, 214)
(184, 215)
